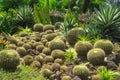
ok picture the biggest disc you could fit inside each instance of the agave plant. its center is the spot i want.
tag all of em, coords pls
(24, 16)
(107, 21)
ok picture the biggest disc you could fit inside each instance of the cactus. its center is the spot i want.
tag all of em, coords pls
(21, 51)
(56, 44)
(58, 54)
(66, 78)
(35, 64)
(48, 27)
(106, 45)
(82, 47)
(96, 56)
(48, 59)
(28, 59)
(38, 27)
(82, 71)
(46, 51)
(73, 34)
(9, 59)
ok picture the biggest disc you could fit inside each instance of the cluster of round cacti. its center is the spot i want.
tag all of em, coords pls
(45, 49)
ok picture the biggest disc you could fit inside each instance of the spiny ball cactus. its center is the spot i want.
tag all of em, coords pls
(72, 36)
(11, 46)
(56, 44)
(9, 59)
(48, 27)
(60, 61)
(40, 48)
(96, 56)
(38, 27)
(46, 51)
(97, 77)
(55, 66)
(106, 45)
(35, 64)
(82, 47)
(51, 36)
(66, 78)
(21, 51)
(48, 59)
(46, 72)
(58, 54)
(82, 71)
(39, 58)
(28, 59)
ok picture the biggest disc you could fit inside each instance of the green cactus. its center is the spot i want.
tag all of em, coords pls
(82, 71)
(106, 45)
(9, 59)
(38, 27)
(96, 56)
(56, 44)
(58, 54)
(82, 47)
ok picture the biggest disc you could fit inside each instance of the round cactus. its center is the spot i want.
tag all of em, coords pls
(46, 51)
(82, 47)
(97, 77)
(28, 59)
(48, 59)
(58, 54)
(46, 72)
(11, 46)
(56, 44)
(66, 78)
(72, 36)
(106, 45)
(49, 31)
(96, 56)
(51, 36)
(9, 59)
(40, 48)
(63, 68)
(82, 71)
(60, 61)
(55, 66)
(35, 64)
(48, 27)
(23, 34)
(38, 27)
(21, 51)
(27, 46)
(39, 58)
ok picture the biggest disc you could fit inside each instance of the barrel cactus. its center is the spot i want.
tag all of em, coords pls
(96, 56)
(9, 59)
(38, 27)
(106, 45)
(82, 47)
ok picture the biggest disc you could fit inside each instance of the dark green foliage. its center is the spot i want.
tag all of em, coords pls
(106, 21)
(9, 59)
(24, 16)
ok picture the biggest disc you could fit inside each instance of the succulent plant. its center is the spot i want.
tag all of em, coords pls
(55, 66)
(20, 43)
(57, 25)
(35, 64)
(48, 27)
(46, 51)
(27, 46)
(63, 68)
(39, 58)
(46, 72)
(23, 34)
(82, 71)
(51, 36)
(73, 34)
(66, 78)
(49, 31)
(82, 47)
(56, 44)
(38, 27)
(97, 77)
(96, 56)
(49, 59)
(40, 48)
(58, 54)
(60, 61)
(28, 59)
(11, 46)
(9, 59)
(106, 45)
(21, 51)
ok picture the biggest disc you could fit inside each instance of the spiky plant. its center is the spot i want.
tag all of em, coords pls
(107, 21)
